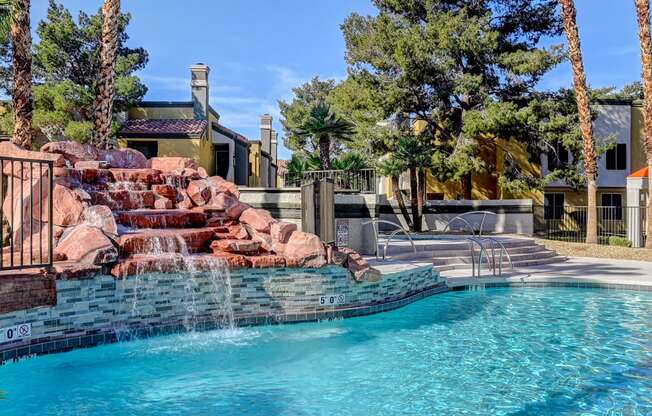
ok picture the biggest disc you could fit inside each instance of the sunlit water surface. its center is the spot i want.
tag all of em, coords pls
(502, 351)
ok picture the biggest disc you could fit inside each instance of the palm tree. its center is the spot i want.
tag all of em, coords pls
(583, 106)
(393, 168)
(643, 17)
(106, 75)
(325, 127)
(14, 21)
(416, 157)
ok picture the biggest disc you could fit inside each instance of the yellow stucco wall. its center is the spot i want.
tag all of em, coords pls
(254, 162)
(638, 157)
(200, 150)
(161, 112)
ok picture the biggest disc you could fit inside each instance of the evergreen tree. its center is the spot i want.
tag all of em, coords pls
(66, 62)
(446, 64)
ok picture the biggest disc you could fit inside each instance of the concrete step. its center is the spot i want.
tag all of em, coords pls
(534, 248)
(517, 264)
(466, 259)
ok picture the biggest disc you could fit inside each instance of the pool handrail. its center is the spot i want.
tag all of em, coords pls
(467, 223)
(375, 221)
(503, 249)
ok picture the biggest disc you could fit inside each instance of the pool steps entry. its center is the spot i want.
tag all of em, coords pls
(450, 251)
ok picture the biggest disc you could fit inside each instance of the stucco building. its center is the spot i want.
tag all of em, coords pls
(193, 129)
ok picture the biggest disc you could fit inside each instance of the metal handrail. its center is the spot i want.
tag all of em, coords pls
(461, 218)
(375, 222)
(503, 249)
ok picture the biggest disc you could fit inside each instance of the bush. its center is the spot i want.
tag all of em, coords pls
(619, 241)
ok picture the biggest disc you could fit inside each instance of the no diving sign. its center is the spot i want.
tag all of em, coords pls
(14, 333)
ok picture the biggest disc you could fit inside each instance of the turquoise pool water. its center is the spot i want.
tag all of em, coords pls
(499, 351)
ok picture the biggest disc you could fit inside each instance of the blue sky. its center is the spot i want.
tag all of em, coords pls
(259, 49)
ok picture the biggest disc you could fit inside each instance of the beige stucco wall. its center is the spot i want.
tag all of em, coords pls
(638, 139)
(161, 112)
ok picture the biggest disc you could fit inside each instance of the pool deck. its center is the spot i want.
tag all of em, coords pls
(584, 271)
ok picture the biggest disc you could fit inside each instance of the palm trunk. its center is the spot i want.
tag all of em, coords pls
(398, 196)
(22, 62)
(467, 186)
(106, 76)
(414, 200)
(584, 110)
(643, 17)
(421, 197)
(325, 153)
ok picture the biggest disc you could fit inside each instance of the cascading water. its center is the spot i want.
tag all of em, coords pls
(206, 284)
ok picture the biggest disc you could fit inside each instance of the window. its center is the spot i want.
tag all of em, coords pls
(617, 157)
(612, 207)
(553, 208)
(557, 158)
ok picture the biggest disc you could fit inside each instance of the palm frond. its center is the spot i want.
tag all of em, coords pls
(6, 8)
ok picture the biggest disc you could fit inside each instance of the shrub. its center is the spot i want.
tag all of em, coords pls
(619, 241)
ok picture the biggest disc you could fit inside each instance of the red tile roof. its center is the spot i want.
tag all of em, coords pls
(641, 173)
(164, 128)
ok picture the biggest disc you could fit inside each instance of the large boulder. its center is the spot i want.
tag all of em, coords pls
(183, 200)
(221, 185)
(100, 216)
(71, 151)
(259, 219)
(281, 231)
(305, 250)
(223, 201)
(86, 244)
(170, 164)
(235, 211)
(67, 206)
(124, 158)
(236, 246)
(199, 192)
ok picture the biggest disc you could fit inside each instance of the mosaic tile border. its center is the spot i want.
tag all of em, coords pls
(38, 347)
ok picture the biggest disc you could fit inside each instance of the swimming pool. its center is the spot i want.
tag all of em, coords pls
(529, 351)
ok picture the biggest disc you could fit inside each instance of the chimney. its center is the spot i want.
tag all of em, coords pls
(274, 146)
(199, 87)
(266, 132)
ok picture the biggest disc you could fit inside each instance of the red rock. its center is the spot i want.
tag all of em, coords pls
(281, 231)
(100, 216)
(92, 164)
(183, 200)
(71, 151)
(124, 158)
(202, 172)
(258, 219)
(264, 238)
(234, 261)
(266, 261)
(67, 207)
(86, 244)
(221, 185)
(199, 191)
(194, 240)
(169, 164)
(355, 263)
(140, 264)
(163, 203)
(223, 201)
(172, 218)
(190, 174)
(124, 200)
(305, 250)
(166, 191)
(238, 232)
(68, 270)
(236, 210)
(90, 176)
(147, 176)
(236, 246)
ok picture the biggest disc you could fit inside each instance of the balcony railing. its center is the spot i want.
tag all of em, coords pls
(360, 181)
(26, 234)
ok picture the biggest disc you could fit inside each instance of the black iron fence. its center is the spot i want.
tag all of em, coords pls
(362, 181)
(616, 225)
(26, 212)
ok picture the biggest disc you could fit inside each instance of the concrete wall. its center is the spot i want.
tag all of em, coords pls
(102, 309)
(512, 216)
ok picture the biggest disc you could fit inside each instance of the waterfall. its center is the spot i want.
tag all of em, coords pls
(202, 276)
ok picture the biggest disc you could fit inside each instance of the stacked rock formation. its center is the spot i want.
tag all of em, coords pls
(133, 215)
